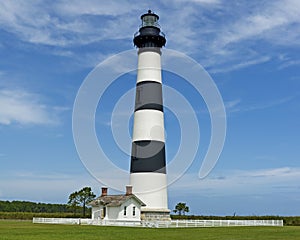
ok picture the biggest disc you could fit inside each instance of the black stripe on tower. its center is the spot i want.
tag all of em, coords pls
(148, 96)
(148, 156)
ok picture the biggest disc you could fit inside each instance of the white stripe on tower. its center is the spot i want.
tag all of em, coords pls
(148, 163)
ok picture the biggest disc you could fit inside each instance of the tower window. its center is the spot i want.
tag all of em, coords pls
(149, 20)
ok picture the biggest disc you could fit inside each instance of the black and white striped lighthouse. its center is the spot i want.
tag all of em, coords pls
(148, 162)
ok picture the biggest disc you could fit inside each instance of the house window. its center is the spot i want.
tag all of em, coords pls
(125, 210)
(133, 211)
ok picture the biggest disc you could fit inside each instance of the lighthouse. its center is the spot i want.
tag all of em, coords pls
(148, 174)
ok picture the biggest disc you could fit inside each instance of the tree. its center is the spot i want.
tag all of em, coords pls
(181, 208)
(74, 201)
(81, 198)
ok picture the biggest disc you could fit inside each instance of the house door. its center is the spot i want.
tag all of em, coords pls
(103, 212)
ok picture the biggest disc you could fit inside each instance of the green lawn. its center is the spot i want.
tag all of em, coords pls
(28, 231)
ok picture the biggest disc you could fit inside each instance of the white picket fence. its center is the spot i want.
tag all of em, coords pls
(86, 221)
(161, 224)
(64, 221)
(218, 223)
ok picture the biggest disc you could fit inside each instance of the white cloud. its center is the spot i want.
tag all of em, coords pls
(28, 20)
(234, 106)
(270, 17)
(96, 7)
(284, 172)
(199, 1)
(55, 187)
(219, 33)
(19, 106)
(239, 182)
(231, 105)
(244, 64)
(269, 104)
(45, 187)
(64, 24)
(232, 44)
(289, 63)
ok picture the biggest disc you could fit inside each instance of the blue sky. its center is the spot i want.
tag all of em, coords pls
(250, 49)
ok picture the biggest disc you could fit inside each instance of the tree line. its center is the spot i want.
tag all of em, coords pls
(77, 204)
(26, 206)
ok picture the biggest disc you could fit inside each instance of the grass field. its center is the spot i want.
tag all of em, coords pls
(25, 230)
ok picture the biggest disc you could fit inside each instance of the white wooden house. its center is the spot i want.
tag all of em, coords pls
(126, 207)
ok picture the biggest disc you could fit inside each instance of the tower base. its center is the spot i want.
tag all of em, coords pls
(155, 214)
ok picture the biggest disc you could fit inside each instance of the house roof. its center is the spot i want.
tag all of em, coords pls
(114, 200)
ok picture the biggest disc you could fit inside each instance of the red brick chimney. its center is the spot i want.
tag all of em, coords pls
(103, 191)
(128, 190)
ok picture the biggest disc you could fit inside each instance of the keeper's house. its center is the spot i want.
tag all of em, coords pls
(126, 207)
